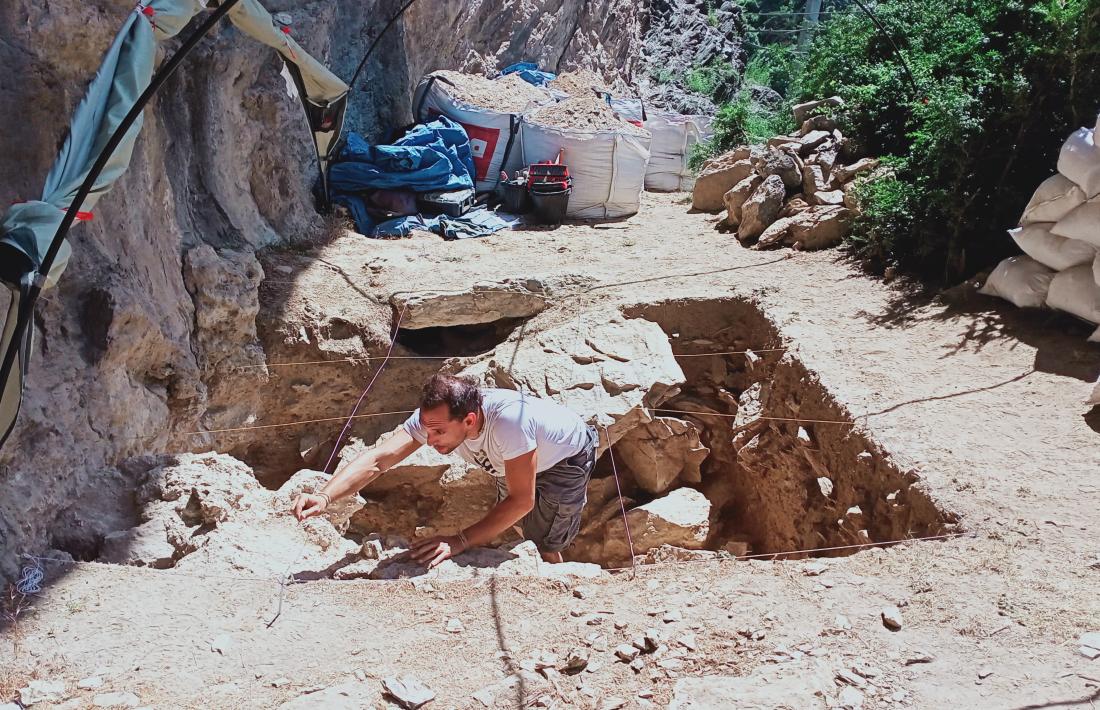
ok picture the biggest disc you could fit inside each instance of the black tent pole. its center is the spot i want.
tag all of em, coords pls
(374, 44)
(158, 81)
(890, 39)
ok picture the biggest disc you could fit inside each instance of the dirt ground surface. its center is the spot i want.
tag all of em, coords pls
(980, 402)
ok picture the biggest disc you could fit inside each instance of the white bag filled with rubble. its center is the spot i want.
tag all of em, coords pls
(1076, 292)
(1079, 161)
(1020, 280)
(1056, 197)
(1059, 253)
(1083, 223)
(608, 167)
(493, 132)
(674, 136)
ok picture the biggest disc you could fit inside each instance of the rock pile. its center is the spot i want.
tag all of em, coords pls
(797, 190)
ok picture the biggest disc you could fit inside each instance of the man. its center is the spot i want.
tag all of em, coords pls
(540, 454)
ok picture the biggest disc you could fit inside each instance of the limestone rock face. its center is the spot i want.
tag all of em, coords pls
(761, 209)
(661, 452)
(482, 303)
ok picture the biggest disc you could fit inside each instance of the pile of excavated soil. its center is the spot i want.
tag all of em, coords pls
(508, 94)
(579, 83)
(583, 113)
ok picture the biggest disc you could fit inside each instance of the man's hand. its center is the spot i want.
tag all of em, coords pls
(309, 505)
(434, 550)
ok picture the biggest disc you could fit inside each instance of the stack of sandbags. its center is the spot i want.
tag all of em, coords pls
(1060, 235)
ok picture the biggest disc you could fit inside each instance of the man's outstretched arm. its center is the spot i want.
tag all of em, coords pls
(357, 473)
(519, 473)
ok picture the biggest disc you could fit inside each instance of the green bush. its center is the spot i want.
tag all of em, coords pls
(1000, 85)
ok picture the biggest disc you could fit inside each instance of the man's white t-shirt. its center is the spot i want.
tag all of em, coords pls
(516, 424)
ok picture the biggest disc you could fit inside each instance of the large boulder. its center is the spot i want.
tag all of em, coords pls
(761, 209)
(817, 123)
(777, 162)
(817, 227)
(717, 177)
(609, 369)
(813, 180)
(845, 173)
(680, 519)
(813, 140)
(736, 196)
(803, 111)
(481, 303)
(662, 452)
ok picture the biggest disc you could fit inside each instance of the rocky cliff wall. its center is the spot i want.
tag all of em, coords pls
(159, 302)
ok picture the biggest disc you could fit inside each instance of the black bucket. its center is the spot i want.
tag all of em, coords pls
(514, 198)
(550, 207)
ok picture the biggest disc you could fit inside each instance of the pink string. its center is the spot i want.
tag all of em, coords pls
(622, 506)
(355, 411)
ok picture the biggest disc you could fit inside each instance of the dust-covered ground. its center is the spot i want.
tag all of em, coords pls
(979, 403)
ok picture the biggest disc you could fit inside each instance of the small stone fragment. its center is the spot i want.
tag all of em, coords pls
(626, 652)
(984, 672)
(637, 664)
(891, 618)
(850, 678)
(454, 626)
(280, 682)
(409, 692)
(841, 622)
(688, 641)
(672, 616)
(581, 592)
(620, 625)
(485, 697)
(813, 569)
(825, 486)
(575, 661)
(613, 704)
(42, 691)
(916, 657)
(115, 700)
(360, 675)
(90, 683)
(851, 699)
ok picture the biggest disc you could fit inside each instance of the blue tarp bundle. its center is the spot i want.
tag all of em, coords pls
(431, 157)
(529, 72)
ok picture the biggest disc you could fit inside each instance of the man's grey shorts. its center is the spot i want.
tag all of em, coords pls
(560, 494)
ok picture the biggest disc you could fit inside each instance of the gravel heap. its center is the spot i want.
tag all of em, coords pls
(508, 94)
(583, 113)
(579, 83)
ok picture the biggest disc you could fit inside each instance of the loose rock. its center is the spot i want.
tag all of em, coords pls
(851, 699)
(116, 700)
(761, 209)
(626, 652)
(891, 618)
(42, 691)
(716, 179)
(575, 661)
(409, 692)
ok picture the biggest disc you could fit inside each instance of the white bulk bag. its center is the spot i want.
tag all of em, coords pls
(1083, 223)
(1054, 199)
(492, 134)
(1051, 250)
(673, 138)
(1075, 291)
(608, 167)
(1020, 280)
(1079, 160)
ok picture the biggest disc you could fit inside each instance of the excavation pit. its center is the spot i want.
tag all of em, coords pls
(745, 453)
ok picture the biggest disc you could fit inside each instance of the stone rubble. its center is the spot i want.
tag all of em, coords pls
(794, 191)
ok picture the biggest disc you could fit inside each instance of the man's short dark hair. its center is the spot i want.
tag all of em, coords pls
(461, 395)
